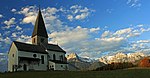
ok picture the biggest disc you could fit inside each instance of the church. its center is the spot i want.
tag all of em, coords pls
(38, 56)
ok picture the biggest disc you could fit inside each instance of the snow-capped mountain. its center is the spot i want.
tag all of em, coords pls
(75, 57)
(87, 64)
(122, 57)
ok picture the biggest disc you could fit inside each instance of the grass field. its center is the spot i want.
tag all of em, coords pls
(132, 73)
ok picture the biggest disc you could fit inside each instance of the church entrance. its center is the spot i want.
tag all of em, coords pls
(25, 67)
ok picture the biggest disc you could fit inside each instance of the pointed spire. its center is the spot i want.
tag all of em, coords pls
(39, 28)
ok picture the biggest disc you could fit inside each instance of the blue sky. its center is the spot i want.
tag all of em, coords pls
(90, 28)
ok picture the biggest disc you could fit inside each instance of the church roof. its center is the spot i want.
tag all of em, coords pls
(39, 28)
(37, 48)
(53, 47)
(30, 47)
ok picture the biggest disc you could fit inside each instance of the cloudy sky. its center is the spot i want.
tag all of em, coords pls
(90, 28)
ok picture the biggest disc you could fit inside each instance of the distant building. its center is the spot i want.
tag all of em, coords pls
(39, 55)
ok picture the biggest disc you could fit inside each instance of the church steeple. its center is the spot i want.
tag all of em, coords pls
(39, 34)
(39, 28)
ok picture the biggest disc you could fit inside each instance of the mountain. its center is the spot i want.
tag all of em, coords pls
(82, 63)
(78, 62)
(96, 65)
(74, 57)
(122, 57)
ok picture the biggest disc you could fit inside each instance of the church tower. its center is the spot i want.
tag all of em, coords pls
(39, 34)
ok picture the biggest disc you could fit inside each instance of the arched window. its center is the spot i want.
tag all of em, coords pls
(54, 57)
(42, 59)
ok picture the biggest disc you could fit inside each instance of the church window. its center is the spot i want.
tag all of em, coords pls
(61, 58)
(34, 40)
(34, 55)
(49, 57)
(54, 57)
(42, 40)
(13, 55)
(42, 59)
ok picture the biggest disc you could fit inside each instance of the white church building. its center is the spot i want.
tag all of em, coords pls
(38, 56)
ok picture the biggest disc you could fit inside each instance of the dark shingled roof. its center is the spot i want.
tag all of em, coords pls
(30, 47)
(37, 48)
(53, 47)
(39, 28)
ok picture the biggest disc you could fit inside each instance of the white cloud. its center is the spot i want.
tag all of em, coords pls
(94, 29)
(51, 10)
(24, 38)
(13, 10)
(123, 31)
(18, 27)
(113, 39)
(29, 19)
(143, 41)
(126, 32)
(10, 21)
(70, 17)
(77, 12)
(84, 10)
(7, 40)
(14, 35)
(106, 34)
(78, 40)
(1, 15)
(75, 7)
(81, 16)
(134, 3)
(51, 18)
(70, 36)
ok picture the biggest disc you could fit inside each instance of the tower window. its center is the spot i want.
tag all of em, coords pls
(42, 59)
(42, 40)
(13, 55)
(34, 40)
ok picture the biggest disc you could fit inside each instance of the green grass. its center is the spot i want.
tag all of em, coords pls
(134, 73)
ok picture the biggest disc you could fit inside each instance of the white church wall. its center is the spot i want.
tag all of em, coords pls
(51, 65)
(12, 57)
(61, 67)
(38, 66)
(56, 66)
(57, 55)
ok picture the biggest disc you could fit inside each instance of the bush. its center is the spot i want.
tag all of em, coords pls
(114, 66)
